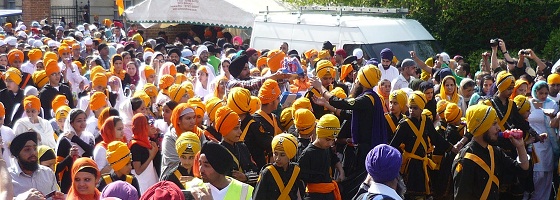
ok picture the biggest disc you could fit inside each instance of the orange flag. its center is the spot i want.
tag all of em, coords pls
(120, 6)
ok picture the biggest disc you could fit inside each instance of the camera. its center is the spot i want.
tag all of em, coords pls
(494, 42)
(525, 52)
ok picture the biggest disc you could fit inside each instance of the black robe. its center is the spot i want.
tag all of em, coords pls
(114, 178)
(259, 138)
(47, 95)
(267, 188)
(240, 151)
(170, 175)
(9, 99)
(316, 166)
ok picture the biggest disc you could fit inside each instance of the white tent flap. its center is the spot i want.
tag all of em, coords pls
(225, 13)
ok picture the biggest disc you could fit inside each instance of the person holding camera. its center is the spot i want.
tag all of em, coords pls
(482, 157)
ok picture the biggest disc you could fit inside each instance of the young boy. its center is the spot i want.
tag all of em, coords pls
(397, 107)
(317, 160)
(187, 145)
(280, 180)
(120, 159)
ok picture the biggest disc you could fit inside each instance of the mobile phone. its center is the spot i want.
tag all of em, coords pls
(51, 194)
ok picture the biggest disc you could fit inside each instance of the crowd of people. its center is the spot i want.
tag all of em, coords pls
(100, 111)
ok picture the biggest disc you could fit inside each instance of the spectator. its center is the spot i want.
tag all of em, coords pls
(382, 165)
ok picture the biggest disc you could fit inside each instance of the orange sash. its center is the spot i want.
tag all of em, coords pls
(272, 121)
(324, 188)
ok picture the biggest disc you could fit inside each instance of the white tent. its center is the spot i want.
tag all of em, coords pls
(224, 13)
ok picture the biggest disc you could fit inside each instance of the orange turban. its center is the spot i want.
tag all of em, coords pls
(274, 60)
(142, 95)
(40, 78)
(99, 79)
(98, 100)
(95, 70)
(308, 54)
(13, 74)
(199, 107)
(302, 102)
(76, 46)
(15, 54)
(59, 101)
(51, 67)
(553, 78)
(107, 22)
(35, 55)
(2, 110)
(8, 25)
(255, 104)
(226, 120)
(212, 106)
(344, 71)
(261, 61)
(148, 71)
(176, 93)
(239, 100)
(150, 89)
(180, 78)
(177, 113)
(64, 48)
(165, 81)
(269, 91)
(32, 102)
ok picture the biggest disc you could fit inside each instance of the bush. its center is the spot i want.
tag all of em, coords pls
(552, 48)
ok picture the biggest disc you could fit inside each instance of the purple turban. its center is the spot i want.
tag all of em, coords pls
(383, 163)
(121, 190)
(386, 53)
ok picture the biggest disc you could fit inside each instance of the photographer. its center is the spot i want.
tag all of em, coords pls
(521, 64)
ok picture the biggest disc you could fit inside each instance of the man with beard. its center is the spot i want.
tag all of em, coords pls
(174, 56)
(480, 165)
(239, 69)
(215, 162)
(388, 71)
(28, 177)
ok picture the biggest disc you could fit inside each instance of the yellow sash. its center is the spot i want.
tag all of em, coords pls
(502, 122)
(490, 170)
(235, 160)
(107, 178)
(272, 121)
(284, 190)
(244, 133)
(426, 162)
(390, 122)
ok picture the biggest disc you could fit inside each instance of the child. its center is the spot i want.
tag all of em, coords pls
(280, 180)
(304, 121)
(397, 108)
(46, 156)
(317, 160)
(32, 106)
(120, 160)
(187, 145)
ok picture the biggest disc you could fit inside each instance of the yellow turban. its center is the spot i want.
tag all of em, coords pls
(199, 107)
(239, 100)
(180, 78)
(369, 76)
(304, 120)
(453, 113)
(212, 106)
(323, 54)
(428, 114)
(504, 80)
(142, 95)
(50, 55)
(189, 87)
(302, 103)
(480, 118)
(176, 93)
(138, 38)
(226, 120)
(254, 105)
(100, 79)
(325, 67)
(118, 155)
(14, 75)
(440, 108)
(188, 143)
(400, 97)
(98, 100)
(59, 101)
(274, 60)
(285, 142)
(150, 89)
(95, 70)
(40, 78)
(269, 91)
(107, 22)
(64, 48)
(286, 118)
(553, 78)
(62, 112)
(339, 92)
(417, 98)
(308, 54)
(32, 102)
(35, 55)
(328, 126)
(523, 104)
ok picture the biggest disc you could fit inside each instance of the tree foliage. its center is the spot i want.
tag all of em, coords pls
(466, 26)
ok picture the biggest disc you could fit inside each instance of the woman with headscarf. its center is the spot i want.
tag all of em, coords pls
(219, 88)
(543, 111)
(205, 76)
(427, 88)
(143, 152)
(157, 61)
(146, 74)
(520, 88)
(224, 69)
(116, 90)
(85, 176)
(75, 133)
(118, 71)
(46, 157)
(484, 86)
(383, 90)
(132, 71)
(111, 130)
(449, 91)
(466, 90)
(164, 120)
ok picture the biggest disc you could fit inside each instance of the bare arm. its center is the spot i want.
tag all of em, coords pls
(6, 187)
(540, 64)
(420, 63)
(494, 58)
(138, 167)
(485, 64)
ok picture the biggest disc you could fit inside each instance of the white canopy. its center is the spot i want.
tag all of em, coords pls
(224, 13)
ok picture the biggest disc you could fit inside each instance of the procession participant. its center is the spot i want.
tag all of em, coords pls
(120, 161)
